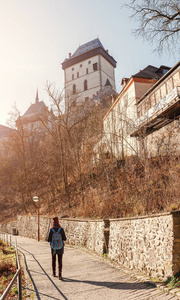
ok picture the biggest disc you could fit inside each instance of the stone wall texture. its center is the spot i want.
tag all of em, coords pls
(176, 244)
(147, 244)
(144, 244)
(86, 233)
(79, 232)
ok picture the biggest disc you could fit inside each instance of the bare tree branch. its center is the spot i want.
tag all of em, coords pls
(159, 22)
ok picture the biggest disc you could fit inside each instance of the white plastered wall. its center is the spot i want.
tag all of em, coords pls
(92, 77)
(95, 79)
(107, 72)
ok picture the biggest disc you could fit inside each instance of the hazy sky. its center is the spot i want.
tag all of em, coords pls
(37, 35)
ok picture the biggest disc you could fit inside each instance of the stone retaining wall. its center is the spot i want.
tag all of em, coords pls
(147, 244)
(8, 227)
(85, 233)
(28, 226)
(144, 244)
(176, 243)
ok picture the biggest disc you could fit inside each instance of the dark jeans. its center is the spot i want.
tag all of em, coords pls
(59, 264)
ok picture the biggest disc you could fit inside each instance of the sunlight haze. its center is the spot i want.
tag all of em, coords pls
(37, 35)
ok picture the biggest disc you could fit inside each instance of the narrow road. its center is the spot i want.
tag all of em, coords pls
(85, 277)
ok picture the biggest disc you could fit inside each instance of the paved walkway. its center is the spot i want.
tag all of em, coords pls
(85, 277)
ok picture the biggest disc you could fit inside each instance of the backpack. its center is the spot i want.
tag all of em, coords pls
(57, 242)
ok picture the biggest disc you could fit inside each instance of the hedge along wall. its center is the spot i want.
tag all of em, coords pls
(148, 244)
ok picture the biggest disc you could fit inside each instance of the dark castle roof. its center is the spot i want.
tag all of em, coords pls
(86, 51)
(35, 109)
(166, 74)
(87, 47)
(151, 72)
(108, 83)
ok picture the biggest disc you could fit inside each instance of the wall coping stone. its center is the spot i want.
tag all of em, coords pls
(148, 216)
(65, 219)
(175, 212)
(81, 220)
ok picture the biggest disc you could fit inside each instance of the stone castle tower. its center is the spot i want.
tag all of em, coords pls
(88, 72)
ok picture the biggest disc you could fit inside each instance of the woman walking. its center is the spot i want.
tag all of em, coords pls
(56, 238)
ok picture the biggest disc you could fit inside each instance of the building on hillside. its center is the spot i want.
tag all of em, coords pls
(120, 120)
(5, 133)
(158, 112)
(88, 72)
(35, 115)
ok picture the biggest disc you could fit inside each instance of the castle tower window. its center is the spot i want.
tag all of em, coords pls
(85, 85)
(88, 59)
(74, 89)
(72, 76)
(77, 74)
(95, 67)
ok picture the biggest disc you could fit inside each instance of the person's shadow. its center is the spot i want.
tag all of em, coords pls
(108, 284)
(115, 284)
(22, 250)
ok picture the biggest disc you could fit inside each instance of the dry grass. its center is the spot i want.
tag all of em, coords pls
(126, 191)
(110, 190)
(7, 269)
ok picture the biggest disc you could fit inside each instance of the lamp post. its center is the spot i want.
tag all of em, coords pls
(36, 200)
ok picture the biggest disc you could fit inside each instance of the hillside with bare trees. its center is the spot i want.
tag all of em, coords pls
(53, 160)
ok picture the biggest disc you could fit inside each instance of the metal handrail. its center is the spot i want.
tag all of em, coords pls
(17, 275)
